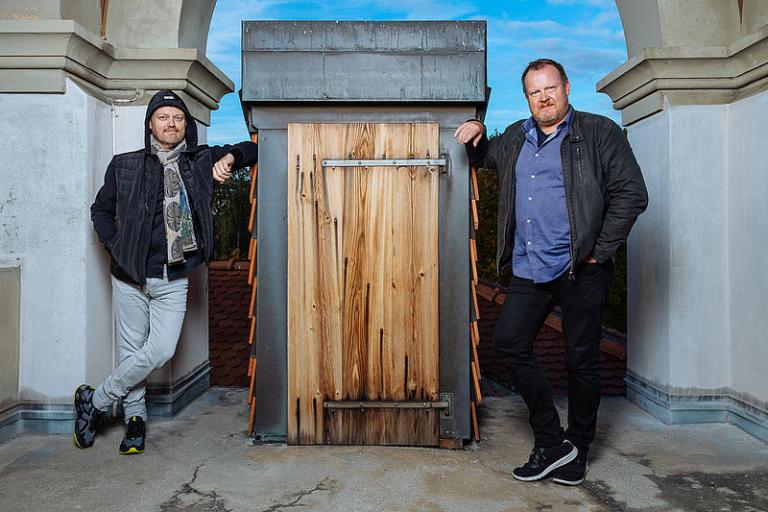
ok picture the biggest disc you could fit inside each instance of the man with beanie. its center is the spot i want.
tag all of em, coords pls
(153, 215)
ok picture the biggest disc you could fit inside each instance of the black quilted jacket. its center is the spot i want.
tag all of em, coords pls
(124, 208)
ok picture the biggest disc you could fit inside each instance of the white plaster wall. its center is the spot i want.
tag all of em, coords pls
(678, 312)
(648, 298)
(55, 150)
(49, 145)
(698, 258)
(748, 248)
(100, 349)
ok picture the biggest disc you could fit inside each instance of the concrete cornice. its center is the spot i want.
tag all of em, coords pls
(688, 76)
(36, 56)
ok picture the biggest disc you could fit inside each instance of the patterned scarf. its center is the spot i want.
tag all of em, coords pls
(179, 229)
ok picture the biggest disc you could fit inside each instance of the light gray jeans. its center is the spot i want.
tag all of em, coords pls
(148, 322)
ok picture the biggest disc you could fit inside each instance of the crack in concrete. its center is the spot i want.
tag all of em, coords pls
(324, 485)
(211, 501)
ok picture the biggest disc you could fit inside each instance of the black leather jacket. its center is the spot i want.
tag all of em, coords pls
(604, 188)
(124, 208)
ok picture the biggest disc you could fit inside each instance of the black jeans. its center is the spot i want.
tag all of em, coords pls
(526, 306)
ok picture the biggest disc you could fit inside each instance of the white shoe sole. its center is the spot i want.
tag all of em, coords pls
(561, 462)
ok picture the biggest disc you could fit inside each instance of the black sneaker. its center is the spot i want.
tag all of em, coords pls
(545, 460)
(133, 440)
(572, 473)
(88, 418)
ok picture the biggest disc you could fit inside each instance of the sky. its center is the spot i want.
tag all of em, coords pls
(585, 36)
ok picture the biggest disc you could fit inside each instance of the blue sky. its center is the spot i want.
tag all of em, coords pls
(584, 35)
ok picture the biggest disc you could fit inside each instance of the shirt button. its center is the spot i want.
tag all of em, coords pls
(530, 198)
(533, 175)
(528, 221)
(529, 242)
(537, 154)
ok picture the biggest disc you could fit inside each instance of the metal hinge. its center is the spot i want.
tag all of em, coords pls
(417, 162)
(384, 404)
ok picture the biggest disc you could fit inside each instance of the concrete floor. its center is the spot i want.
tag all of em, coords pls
(202, 461)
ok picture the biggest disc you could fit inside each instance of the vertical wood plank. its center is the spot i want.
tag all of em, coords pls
(252, 305)
(476, 332)
(252, 375)
(254, 244)
(251, 416)
(254, 173)
(475, 306)
(476, 383)
(475, 426)
(362, 283)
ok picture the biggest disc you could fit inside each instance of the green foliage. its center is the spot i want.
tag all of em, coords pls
(615, 315)
(231, 212)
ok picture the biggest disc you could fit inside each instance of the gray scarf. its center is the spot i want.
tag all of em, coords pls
(179, 229)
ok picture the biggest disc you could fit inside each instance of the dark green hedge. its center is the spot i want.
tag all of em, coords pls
(231, 212)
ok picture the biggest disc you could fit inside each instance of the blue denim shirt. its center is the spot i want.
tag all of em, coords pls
(541, 249)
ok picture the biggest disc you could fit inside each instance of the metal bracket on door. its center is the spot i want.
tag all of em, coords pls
(383, 404)
(407, 162)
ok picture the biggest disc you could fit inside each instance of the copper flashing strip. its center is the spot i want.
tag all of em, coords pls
(104, 13)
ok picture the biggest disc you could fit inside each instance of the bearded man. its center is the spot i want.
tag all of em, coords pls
(153, 215)
(570, 190)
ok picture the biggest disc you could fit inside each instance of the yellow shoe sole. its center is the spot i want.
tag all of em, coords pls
(131, 451)
(74, 397)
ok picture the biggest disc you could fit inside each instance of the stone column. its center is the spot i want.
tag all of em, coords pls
(694, 99)
(73, 92)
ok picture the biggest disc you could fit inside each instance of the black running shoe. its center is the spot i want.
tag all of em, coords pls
(572, 473)
(88, 417)
(133, 440)
(545, 460)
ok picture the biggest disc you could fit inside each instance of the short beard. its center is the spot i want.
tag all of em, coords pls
(551, 119)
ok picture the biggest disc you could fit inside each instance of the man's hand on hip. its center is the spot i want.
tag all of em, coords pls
(222, 170)
(469, 131)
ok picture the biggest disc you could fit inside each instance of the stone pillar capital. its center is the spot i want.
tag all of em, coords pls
(37, 55)
(688, 76)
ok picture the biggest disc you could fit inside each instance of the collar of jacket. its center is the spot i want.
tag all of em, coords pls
(574, 129)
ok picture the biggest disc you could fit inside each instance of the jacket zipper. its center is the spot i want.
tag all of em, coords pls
(571, 274)
(148, 219)
(578, 164)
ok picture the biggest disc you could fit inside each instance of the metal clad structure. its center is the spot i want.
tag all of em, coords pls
(361, 72)
(426, 61)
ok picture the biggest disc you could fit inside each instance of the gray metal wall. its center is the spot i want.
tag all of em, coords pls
(401, 62)
(352, 72)
(271, 387)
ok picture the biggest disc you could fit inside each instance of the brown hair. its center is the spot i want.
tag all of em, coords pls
(540, 63)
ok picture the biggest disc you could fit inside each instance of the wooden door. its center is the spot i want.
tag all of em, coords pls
(363, 301)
